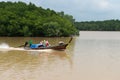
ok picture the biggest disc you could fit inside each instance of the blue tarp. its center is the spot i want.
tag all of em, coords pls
(35, 45)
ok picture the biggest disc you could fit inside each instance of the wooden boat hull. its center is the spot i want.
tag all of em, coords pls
(57, 47)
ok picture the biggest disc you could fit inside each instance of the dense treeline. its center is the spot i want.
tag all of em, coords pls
(21, 19)
(107, 25)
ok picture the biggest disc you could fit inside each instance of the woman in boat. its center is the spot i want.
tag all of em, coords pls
(47, 43)
(44, 43)
(41, 44)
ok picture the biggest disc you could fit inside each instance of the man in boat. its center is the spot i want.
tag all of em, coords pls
(41, 44)
(30, 42)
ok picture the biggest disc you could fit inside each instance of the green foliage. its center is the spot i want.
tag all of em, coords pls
(21, 19)
(107, 25)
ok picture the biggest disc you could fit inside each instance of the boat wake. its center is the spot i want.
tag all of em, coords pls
(4, 45)
(5, 48)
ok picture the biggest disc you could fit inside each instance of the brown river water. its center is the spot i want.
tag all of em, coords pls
(90, 56)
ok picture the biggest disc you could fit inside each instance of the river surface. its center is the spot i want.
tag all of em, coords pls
(90, 56)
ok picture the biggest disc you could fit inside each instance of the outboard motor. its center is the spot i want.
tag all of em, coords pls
(26, 43)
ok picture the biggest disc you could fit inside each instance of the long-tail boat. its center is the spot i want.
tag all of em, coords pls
(60, 46)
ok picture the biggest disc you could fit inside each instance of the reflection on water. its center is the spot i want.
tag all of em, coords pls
(23, 65)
